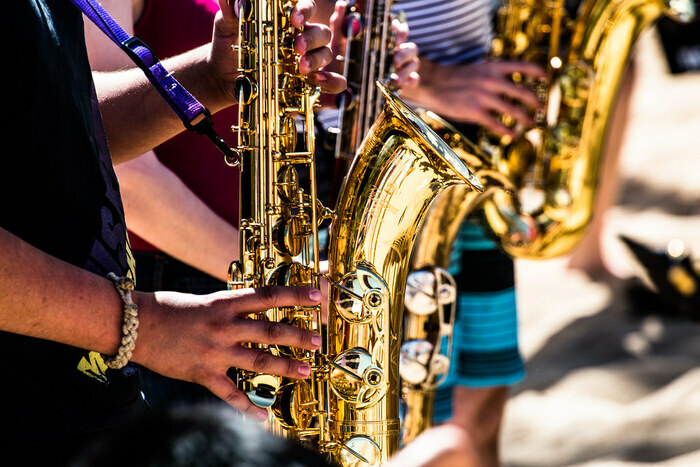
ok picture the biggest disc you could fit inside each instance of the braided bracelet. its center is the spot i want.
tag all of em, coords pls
(124, 287)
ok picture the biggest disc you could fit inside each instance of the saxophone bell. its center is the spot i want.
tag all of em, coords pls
(402, 165)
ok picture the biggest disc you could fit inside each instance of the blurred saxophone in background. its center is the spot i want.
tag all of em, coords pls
(348, 407)
(368, 58)
(539, 189)
(554, 165)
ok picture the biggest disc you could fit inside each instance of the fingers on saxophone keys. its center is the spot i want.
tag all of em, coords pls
(263, 298)
(302, 12)
(525, 96)
(223, 387)
(315, 59)
(406, 63)
(271, 332)
(525, 68)
(314, 36)
(265, 362)
(409, 80)
(329, 82)
(491, 122)
(499, 106)
(500, 86)
(406, 53)
(401, 30)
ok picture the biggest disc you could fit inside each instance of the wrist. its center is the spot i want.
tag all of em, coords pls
(198, 72)
(148, 316)
(219, 81)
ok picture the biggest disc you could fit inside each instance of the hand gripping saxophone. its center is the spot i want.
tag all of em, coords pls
(554, 166)
(348, 407)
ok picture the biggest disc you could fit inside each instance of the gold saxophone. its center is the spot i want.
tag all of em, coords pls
(368, 57)
(431, 291)
(559, 158)
(348, 407)
(555, 164)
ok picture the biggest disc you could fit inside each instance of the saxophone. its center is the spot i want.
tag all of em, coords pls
(368, 57)
(431, 291)
(559, 157)
(348, 407)
(555, 164)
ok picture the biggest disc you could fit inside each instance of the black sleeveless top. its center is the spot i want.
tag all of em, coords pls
(58, 192)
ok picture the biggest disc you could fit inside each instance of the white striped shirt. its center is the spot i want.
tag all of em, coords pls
(448, 31)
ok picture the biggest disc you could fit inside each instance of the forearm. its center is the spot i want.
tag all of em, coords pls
(136, 118)
(161, 209)
(44, 297)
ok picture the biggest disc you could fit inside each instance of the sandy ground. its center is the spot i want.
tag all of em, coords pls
(606, 387)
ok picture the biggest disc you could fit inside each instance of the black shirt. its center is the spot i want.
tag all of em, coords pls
(58, 192)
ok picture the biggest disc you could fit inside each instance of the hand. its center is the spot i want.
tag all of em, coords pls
(198, 338)
(405, 61)
(311, 44)
(477, 93)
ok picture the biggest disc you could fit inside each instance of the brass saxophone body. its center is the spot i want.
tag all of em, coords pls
(279, 218)
(555, 164)
(348, 407)
(400, 168)
(431, 292)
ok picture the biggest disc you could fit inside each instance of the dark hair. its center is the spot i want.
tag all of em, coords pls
(195, 436)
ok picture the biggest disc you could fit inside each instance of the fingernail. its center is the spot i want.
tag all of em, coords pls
(315, 295)
(297, 19)
(316, 340)
(305, 64)
(321, 77)
(261, 415)
(304, 369)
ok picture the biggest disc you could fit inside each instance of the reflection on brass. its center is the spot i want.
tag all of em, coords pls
(431, 292)
(431, 295)
(399, 169)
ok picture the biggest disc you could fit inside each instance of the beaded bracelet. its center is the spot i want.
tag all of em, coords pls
(124, 287)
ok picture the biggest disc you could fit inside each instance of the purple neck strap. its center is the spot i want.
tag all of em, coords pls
(180, 100)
